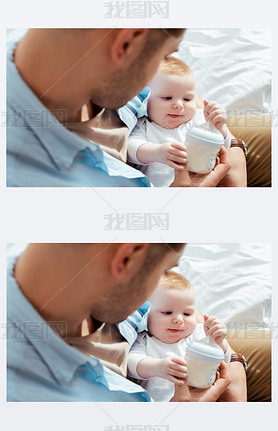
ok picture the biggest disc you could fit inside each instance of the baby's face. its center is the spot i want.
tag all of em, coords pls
(172, 99)
(172, 315)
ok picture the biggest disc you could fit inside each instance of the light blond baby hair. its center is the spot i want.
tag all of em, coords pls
(174, 66)
(173, 280)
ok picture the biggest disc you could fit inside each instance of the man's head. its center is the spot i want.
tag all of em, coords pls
(132, 273)
(172, 315)
(135, 55)
(69, 68)
(107, 282)
(172, 100)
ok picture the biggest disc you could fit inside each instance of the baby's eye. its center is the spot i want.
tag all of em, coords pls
(167, 312)
(187, 100)
(187, 314)
(166, 98)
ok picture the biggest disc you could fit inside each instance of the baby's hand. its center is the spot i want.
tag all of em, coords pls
(216, 329)
(215, 113)
(172, 154)
(171, 368)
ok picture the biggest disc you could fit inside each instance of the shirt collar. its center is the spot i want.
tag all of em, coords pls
(62, 359)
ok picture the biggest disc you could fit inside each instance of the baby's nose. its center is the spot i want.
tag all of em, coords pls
(178, 103)
(178, 318)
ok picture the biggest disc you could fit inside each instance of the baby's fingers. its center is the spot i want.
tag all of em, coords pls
(176, 166)
(178, 146)
(175, 380)
(217, 117)
(178, 152)
(217, 330)
(175, 373)
(179, 159)
(178, 368)
(209, 320)
(222, 332)
(178, 360)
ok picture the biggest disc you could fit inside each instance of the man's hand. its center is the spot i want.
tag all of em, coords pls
(172, 154)
(185, 393)
(185, 178)
(216, 329)
(173, 369)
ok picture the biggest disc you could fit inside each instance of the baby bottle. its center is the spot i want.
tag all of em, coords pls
(203, 144)
(203, 358)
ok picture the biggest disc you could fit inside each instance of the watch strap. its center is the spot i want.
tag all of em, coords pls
(236, 142)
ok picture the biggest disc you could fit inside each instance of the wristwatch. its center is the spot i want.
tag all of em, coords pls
(238, 357)
(235, 142)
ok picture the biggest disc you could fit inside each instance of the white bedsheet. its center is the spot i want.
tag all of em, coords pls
(232, 66)
(232, 281)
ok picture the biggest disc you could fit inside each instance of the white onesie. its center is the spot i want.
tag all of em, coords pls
(159, 174)
(146, 346)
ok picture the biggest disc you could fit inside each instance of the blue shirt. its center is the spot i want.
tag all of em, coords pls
(43, 367)
(43, 153)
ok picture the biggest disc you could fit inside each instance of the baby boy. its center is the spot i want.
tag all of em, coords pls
(157, 356)
(157, 142)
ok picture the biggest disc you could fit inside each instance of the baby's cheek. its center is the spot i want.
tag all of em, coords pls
(193, 324)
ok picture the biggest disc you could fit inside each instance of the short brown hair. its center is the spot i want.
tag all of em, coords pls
(175, 66)
(173, 280)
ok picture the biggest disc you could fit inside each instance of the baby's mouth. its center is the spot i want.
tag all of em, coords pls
(174, 330)
(174, 115)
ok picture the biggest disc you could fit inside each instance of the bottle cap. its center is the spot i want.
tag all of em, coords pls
(206, 349)
(207, 135)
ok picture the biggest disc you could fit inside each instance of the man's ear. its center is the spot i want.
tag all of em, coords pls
(127, 258)
(127, 41)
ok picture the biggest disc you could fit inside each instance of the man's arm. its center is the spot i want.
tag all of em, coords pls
(237, 389)
(237, 175)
